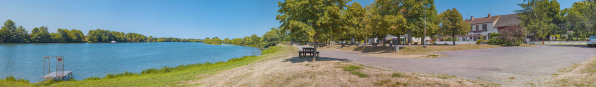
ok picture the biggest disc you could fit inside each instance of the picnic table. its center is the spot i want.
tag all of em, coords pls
(307, 50)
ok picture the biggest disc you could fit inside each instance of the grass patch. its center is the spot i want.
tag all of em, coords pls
(580, 75)
(167, 76)
(351, 68)
(362, 75)
(432, 55)
(10, 81)
(511, 77)
(396, 75)
(445, 76)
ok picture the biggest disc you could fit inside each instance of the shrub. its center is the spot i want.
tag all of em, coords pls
(495, 41)
(479, 41)
(513, 36)
(12, 79)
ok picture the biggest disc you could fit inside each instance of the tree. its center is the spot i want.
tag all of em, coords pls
(6, 33)
(452, 23)
(513, 36)
(248, 41)
(226, 40)
(313, 16)
(270, 38)
(539, 17)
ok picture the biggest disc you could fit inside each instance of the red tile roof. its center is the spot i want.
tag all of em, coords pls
(483, 20)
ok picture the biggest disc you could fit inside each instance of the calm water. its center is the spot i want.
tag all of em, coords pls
(98, 59)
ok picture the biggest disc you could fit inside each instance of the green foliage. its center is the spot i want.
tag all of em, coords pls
(271, 49)
(362, 75)
(495, 41)
(396, 75)
(452, 24)
(351, 68)
(479, 41)
(271, 38)
(541, 17)
(12, 79)
(214, 40)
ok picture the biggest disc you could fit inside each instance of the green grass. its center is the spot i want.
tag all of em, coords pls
(165, 76)
(445, 76)
(351, 68)
(396, 75)
(362, 75)
(14, 82)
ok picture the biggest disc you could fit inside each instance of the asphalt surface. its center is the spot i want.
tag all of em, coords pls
(524, 64)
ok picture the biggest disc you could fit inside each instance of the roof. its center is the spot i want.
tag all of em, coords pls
(508, 20)
(483, 20)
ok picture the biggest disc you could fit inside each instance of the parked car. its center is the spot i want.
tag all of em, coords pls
(592, 41)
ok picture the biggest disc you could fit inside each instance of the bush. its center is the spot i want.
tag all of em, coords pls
(479, 41)
(495, 41)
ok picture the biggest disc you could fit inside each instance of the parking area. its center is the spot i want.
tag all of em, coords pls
(504, 65)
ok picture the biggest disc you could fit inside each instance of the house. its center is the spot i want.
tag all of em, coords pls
(484, 26)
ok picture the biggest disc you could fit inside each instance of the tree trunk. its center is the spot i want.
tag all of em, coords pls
(453, 37)
(315, 47)
(409, 37)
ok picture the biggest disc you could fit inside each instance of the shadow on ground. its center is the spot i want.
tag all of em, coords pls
(580, 46)
(376, 49)
(309, 59)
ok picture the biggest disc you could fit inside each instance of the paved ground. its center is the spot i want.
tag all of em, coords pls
(525, 64)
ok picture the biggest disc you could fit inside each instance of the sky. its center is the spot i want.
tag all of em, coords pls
(190, 18)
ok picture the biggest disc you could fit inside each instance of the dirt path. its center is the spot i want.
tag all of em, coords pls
(504, 65)
(286, 69)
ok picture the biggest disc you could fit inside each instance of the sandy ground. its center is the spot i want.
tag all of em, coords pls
(286, 69)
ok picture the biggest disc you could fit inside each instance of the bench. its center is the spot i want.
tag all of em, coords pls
(307, 50)
(303, 54)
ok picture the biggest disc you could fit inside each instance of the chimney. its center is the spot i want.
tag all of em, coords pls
(471, 18)
(489, 15)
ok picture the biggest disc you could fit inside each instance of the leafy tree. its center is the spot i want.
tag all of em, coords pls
(539, 17)
(6, 33)
(316, 17)
(452, 23)
(270, 38)
(248, 41)
(226, 40)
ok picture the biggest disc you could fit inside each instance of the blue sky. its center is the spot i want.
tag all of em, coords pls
(192, 18)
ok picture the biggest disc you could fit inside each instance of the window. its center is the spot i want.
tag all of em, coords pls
(471, 29)
(476, 27)
(484, 26)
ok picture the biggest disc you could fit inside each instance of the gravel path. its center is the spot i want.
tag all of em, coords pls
(504, 65)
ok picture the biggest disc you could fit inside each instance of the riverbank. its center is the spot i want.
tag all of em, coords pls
(166, 76)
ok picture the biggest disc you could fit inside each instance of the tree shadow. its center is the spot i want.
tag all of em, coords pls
(376, 49)
(580, 46)
(309, 59)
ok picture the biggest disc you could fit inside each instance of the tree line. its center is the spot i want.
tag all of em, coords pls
(270, 38)
(543, 19)
(12, 34)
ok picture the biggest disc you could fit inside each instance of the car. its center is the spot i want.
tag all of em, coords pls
(592, 41)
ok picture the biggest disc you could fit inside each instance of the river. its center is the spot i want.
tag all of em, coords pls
(98, 59)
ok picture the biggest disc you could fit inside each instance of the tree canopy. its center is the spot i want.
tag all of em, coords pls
(452, 23)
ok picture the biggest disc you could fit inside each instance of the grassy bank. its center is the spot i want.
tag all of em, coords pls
(579, 75)
(165, 76)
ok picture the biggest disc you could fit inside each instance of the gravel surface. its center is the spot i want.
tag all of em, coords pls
(504, 65)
